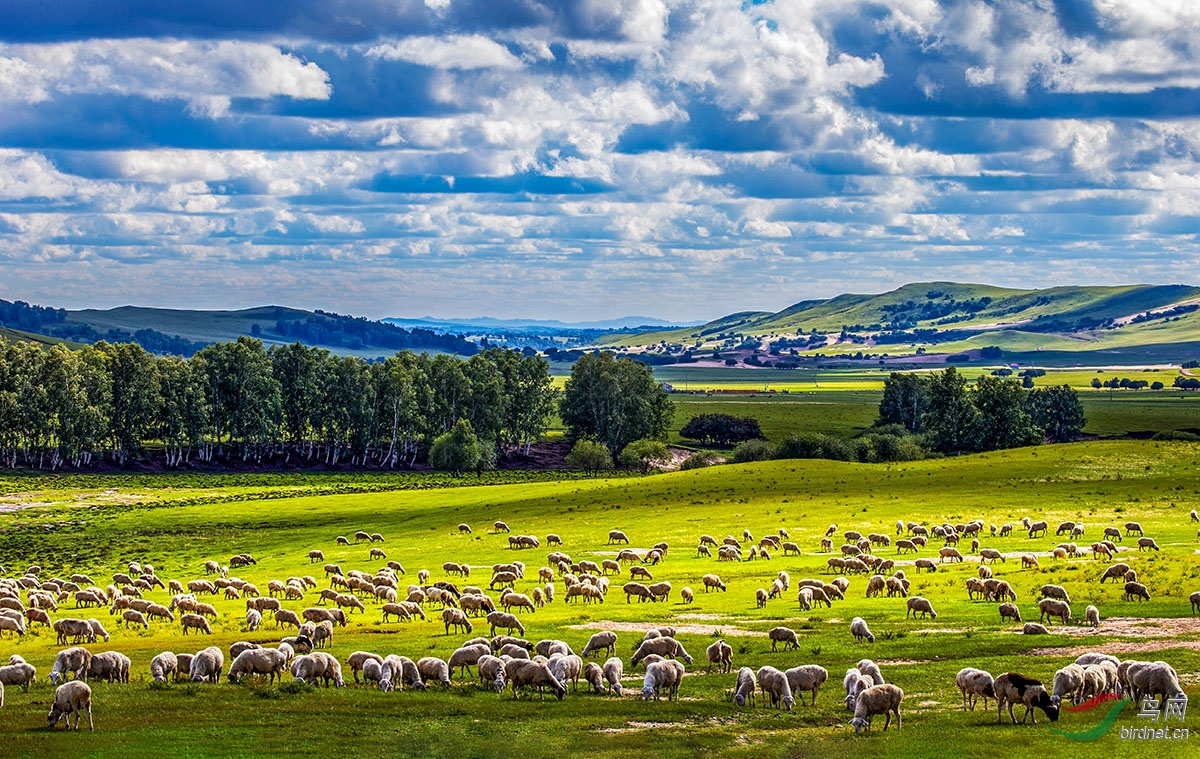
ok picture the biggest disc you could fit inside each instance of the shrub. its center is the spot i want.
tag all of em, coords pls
(456, 451)
(645, 454)
(753, 450)
(1179, 435)
(590, 456)
(701, 460)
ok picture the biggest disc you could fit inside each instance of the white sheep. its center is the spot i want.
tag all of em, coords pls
(806, 678)
(74, 661)
(18, 672)
(975, 683)
(1092, 615)
(919, 606)
(860, 631)
(111, 666)
(783, 635)
(533, 674)
(491, 670)
(662, 675)
(70, 698)
(207, 665)
(163, 665)
(721, 654)
(356, 660)
(878, 699)
(870, 669)
(601, 641)
(1154, 679)
(614, 668)
(435, 669)
(775, 684)
(747, 683)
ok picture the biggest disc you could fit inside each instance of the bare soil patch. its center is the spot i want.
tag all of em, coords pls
(1161, 633)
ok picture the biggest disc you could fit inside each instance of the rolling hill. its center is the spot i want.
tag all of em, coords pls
(1136, 321)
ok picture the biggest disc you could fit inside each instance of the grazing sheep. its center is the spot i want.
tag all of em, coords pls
(491, 670)
(659, 676)
(593, 675)
(17, 672)
(463, 658)
(1114, 572)
(1055, 591)
(533, 674)
(1051, 607)
(973, 684)
(775, 684)
(358, 659)
(806, 678)
(1068, 682)
(258, 661)
(1029, 561)
(918, 605)
(1132, 527)
(1136, 590)
(747, 683)
(1154, 679)
(784, 635)
(1147, 544)
(664, 646)
(1012, 688)
(71, 698)
(711, 582)
(1092, 615)
(616, 536)
(601, 641)
(455, 618)
(504, 621)
(878, 699)
(1033, 628)
(1195, 599)
(71, 661)
(1010, 610)
(721, 654)
(926, 564)
(79, 629)
(614, 669)
(135, 617)
(860, 631)
(197, 622)
(870, 670)
(206, 665)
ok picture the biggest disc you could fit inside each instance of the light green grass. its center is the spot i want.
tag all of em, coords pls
(1097, 483)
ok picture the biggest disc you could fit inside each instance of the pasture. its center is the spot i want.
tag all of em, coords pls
(166, 523)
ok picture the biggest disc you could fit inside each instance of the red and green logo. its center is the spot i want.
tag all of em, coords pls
(1106, 724)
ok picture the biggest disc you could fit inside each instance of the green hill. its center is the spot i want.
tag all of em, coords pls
(948, 317)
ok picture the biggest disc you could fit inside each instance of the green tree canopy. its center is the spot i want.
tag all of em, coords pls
(456, 451)
(905, 399)
(615, 401)
(1057, 412)
(950, 416)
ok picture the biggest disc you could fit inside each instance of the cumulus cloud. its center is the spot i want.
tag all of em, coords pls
(455, 52)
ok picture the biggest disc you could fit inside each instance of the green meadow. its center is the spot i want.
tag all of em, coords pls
(176, 523)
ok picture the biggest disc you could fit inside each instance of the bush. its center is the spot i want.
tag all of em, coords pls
(590, 456)
(456, 451)
(753, 450)
(806, 445)
(701, 460)
(1178, 435)
(645, 454)
(892, 448)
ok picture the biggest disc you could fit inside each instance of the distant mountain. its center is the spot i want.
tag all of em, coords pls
(524, 325)
(949, 317)
(183, 332)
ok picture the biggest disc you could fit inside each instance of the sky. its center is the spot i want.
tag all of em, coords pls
(681, 159)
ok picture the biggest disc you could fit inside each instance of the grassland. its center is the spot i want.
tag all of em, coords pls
(1097, 483)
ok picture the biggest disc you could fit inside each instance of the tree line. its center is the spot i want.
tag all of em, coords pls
(240, 401)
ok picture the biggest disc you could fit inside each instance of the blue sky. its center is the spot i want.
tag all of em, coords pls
(577, 160)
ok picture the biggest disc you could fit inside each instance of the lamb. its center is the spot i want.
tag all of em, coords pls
(534, 674)
(207, 665)
(878, 699)
(747, 683)
(614, 668)
(197, 622)
(775, 684)
(721, 654)
(808, 677)
(601, 641)
(258, 661)
(860, 631)
(162, 665)
(74, 661)
(1054, 608)
(918, 605)
(662, 675)
(973, 684)
(1012, 688)
(665, 646)
(1092, 615)
(783, 635)
(111, 666)
(71, 698)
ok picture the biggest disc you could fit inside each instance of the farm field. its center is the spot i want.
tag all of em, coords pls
(144, 519)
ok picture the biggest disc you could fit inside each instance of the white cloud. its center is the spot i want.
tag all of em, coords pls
(453, 52)
(207, 75)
